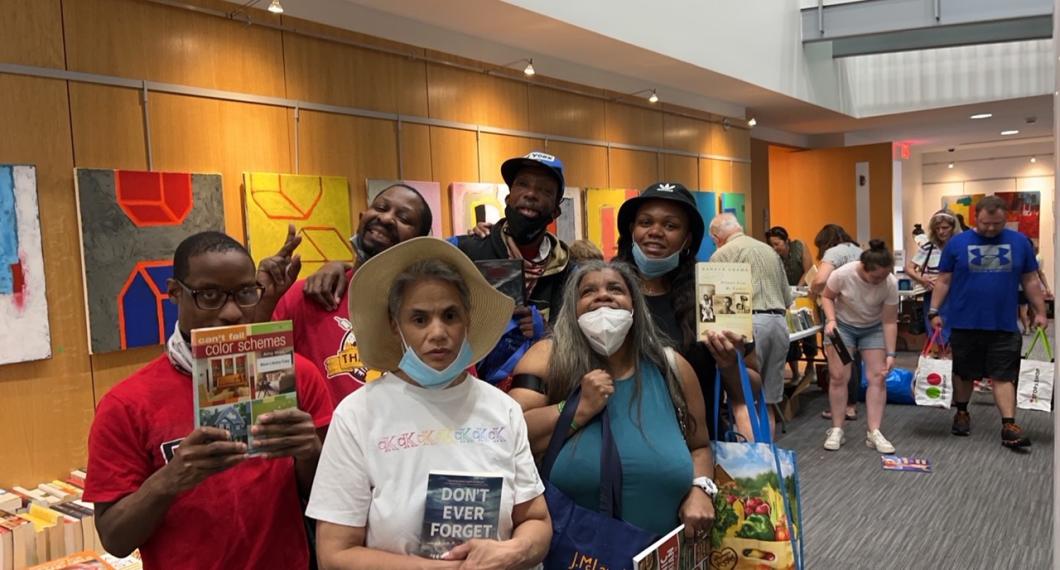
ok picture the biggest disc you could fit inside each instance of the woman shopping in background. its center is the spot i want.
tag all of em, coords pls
(660, 232)
(605, 342)
(860, 302)
(797, 263)
(835, 248)
(423, 311)
(923, 267)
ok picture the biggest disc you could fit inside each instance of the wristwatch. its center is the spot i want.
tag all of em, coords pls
(707, 484)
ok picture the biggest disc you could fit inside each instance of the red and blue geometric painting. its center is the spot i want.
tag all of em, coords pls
(131, 223)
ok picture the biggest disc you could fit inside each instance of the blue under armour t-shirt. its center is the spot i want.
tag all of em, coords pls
(986, 275)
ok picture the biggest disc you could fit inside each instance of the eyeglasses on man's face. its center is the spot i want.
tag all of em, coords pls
(213, 299)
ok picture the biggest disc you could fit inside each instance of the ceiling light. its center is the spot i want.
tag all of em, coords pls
(752, 122)
(1034, 159)
(529, 69)
(654, 98)
(275, 7)
(981, 116)
(1009, 133)
(950, 165)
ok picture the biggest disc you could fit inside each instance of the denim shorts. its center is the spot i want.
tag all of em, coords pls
(861, 338)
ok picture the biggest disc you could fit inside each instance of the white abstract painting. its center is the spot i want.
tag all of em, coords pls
(24, 332)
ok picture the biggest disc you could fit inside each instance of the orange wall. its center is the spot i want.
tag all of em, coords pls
(47, 406)
(811, 188)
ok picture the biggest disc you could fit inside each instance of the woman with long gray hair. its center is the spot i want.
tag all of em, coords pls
(606, 342)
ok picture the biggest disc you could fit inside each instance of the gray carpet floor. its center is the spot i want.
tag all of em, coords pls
(984, 506)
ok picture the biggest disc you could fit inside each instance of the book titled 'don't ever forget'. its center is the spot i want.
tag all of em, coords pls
(723, 298)
(242, 372)
(459, 507)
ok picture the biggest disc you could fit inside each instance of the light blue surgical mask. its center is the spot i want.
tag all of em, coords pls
(425, 375)
(652, 268)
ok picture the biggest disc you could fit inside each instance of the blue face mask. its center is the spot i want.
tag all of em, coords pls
(652, 268)
(427, 376)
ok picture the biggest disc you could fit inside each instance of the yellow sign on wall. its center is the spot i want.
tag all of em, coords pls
(318, 206)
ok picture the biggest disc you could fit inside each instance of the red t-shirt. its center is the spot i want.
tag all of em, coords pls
(249, 516)
(326, 339)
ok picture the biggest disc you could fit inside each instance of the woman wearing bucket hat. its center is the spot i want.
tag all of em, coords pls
(660, 232)
(423, 311)
(606, 345)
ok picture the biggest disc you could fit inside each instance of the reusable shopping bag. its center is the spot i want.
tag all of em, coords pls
(1035, 389)
(933, 385)
(758, 514)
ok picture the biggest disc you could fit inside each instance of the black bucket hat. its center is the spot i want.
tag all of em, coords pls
(664, 191)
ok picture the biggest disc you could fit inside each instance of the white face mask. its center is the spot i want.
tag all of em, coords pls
(606, 328)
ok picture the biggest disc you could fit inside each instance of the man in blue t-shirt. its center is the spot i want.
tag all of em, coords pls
(980, 273)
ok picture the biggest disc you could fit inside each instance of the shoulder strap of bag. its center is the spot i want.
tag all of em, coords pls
(1044, 338)
(927, 260)
(610, 461)
(935, 340)
(756, 408)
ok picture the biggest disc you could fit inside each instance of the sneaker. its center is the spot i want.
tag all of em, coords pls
(962, 423)
(835, 439)
(1012, 436)
(875, 439)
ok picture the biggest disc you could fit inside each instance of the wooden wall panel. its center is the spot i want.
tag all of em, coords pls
(584, 166)
(633, 168)
(337, 74)
(683, 133)
(454, 158)
(683, 169)
(472, 97)
(495, 149)
(715, 175)
(354, 147)
(630, 124)
(416, 152)
(189, 134)
(141, 40)
(730, 142)
(108, 128)
(47, 405)
(33, 33)
(567, 114)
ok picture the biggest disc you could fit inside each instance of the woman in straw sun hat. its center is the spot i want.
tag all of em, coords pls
(423, 311)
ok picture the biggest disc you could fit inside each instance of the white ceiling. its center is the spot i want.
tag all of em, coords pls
(498, 32)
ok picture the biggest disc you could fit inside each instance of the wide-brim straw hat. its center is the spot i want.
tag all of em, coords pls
(379, 346)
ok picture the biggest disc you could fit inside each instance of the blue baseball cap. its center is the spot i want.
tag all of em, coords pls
(511, 168)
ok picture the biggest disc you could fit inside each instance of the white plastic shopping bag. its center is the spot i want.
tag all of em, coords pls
(1035, 390)
(933, 384)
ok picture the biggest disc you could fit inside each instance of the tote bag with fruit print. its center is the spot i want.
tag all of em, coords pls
(758, 514)
(933, 384)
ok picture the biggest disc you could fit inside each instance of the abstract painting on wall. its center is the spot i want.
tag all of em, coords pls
(24, 332)
(131, 223)
(474, 202)
(318, 206)
(707, 204)
(1024, 212)
(570, 224)
(733, 203)
(431, 192)
(601, 216)
(963, 207)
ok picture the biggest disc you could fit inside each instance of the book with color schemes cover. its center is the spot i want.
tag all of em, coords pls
(459, 507)
(898, 463)
(242, 372)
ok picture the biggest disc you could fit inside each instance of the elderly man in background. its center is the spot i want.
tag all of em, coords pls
(770, 299)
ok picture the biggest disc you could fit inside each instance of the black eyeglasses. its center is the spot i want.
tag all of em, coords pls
(214, 299)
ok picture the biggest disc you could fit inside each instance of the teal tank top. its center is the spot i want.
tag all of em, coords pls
(656, 462)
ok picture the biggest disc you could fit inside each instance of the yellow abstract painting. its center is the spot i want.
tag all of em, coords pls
(601, 217)
(318, 206)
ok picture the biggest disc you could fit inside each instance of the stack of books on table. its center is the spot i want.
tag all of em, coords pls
(800, 320)
(49, 525)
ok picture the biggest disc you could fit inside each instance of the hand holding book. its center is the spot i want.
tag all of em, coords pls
(204, 452)
(286, 433)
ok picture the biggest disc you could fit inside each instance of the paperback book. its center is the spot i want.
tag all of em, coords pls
(675, 551)
(898, 463)
(723, 298)
(240, 373)
(459, 507)
(506, 276)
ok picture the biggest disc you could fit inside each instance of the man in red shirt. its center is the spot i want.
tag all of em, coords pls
(319, 305)
(192, 498)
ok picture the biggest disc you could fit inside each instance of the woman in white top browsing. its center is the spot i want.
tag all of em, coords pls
(923, 267)
(860, 303)
(427, 467)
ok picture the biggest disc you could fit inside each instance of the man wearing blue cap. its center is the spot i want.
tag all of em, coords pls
(535, 184)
